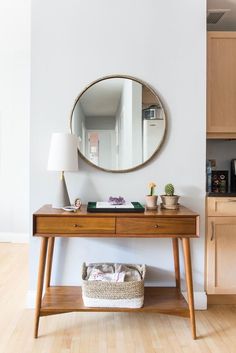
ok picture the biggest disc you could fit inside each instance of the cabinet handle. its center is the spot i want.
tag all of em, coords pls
(156, 226)
(231, 200)
(76, 225)
(212, 230)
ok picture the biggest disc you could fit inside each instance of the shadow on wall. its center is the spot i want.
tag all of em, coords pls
(159, 277)
(61, 256)
(68, 265)
(154, 275)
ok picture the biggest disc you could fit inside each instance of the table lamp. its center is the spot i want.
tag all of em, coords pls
(63, 157)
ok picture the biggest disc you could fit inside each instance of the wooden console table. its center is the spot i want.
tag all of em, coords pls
(49, 223)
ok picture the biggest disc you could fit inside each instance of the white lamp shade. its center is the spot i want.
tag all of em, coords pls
(63, 154)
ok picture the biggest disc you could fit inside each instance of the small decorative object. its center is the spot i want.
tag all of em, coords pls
(210, 167)
(170, 200)
(151, 199)
(70, 208)
(219, 181)
(78, 203)
(116, 200)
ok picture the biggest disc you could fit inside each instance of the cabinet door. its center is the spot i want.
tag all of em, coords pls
(221, 255)
(221, 84)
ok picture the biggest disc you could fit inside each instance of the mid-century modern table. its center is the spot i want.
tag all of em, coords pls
(49, 223)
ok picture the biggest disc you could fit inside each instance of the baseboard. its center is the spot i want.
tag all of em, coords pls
(200, 300)
(8, 237)
(221, 299)
(30, 299)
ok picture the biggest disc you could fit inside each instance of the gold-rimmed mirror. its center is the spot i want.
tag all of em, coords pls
(120, 123)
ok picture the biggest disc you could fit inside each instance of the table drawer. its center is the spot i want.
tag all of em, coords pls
(74, 225)
(155, 225)
(221, 206)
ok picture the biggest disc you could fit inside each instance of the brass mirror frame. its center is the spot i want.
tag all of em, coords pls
(161, 105)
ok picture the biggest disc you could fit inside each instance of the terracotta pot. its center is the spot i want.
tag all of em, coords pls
(151, 202)
(170, 202)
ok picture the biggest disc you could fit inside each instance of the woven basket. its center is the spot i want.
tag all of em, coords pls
(113, 294)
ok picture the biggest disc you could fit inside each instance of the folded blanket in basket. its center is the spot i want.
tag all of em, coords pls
(98, 275)
(112, 273)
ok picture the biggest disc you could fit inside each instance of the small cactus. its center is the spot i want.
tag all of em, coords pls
(169, 189)
(151, 187)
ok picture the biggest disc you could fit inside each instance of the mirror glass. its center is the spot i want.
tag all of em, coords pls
(120, 123)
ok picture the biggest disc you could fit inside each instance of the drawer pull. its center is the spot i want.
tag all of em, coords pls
(231, 200)
(212, 230)
(156, 226)
(76, 225)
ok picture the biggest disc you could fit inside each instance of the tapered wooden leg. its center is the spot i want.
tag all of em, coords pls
(176, 261)
(49, 261)
(42, 262)
(189, 282)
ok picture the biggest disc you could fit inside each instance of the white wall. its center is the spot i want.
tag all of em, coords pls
(14, 119)
(78, 126)
(75, 42)
(124, 116)
(129, 121)
(136, 131)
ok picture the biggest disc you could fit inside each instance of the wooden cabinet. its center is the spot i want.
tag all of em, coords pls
(221, 248)
(221, 85)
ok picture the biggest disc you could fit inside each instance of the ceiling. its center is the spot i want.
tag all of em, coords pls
(103, 98)
(228, 21)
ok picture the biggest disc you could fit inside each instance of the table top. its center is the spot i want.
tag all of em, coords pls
(47, 210)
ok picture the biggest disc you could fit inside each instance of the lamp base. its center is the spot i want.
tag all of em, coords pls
(62, 197)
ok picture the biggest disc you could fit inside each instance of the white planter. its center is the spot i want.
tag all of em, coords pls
(170, 202)
(151, 202)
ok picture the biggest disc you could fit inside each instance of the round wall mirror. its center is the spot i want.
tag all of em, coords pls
(120, 123)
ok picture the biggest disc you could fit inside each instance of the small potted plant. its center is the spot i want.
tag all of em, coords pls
(170, 200)
(151, 199)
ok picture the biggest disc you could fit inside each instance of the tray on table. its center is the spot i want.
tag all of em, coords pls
(92, 207)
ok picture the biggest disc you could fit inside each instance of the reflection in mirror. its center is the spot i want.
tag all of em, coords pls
(120, 123)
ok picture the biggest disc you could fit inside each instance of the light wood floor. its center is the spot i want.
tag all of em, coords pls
(101, 332)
